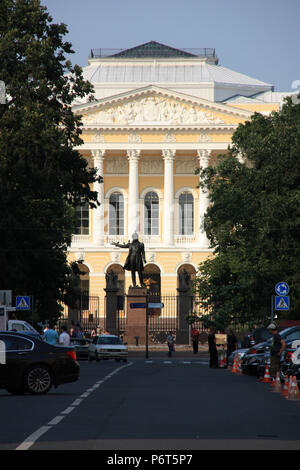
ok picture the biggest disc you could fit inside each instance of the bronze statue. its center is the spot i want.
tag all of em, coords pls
(184, 279)
(111, 280)
(135, 258)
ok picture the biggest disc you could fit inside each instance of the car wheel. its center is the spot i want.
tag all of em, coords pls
(90, 358)
(38, 380)
(97, 358)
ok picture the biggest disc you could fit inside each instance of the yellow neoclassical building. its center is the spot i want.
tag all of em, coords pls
(159, 113)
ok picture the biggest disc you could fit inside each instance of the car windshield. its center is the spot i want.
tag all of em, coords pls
(287, 331)
(109, 340)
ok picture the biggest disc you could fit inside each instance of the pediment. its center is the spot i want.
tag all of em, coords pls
(153, 106)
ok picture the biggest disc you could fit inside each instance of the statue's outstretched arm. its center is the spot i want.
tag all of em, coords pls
(119, 245)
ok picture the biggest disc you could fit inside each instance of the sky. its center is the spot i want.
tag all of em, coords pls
(259, 38)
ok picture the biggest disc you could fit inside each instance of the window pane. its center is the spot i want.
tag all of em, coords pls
(82, 219)
(186, 214)
(116, 214)
(151, 214)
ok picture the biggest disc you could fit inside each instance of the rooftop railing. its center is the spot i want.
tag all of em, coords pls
(144, 53)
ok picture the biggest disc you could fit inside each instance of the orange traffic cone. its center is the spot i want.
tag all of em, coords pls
(285, 390)
(267, 377)
(277, 384)
(293, 392)
(234, 367)
(239, 365)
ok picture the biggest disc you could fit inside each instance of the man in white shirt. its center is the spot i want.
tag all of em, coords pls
(64, 337)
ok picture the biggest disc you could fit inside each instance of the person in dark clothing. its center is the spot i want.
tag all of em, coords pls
(213, 352)
(278, 345)
(231, 343)
(195, 340)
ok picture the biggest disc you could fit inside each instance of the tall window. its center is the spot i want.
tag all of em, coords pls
(82, 214)
(186, 214)
(116, 214)
(151, 214)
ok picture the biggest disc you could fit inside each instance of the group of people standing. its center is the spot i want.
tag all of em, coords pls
(51, 336)
(231, 346)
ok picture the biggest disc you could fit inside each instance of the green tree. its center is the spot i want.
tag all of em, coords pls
(42, 177)
(253, 222)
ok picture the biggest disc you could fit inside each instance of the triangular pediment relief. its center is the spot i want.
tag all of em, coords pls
(154, 106)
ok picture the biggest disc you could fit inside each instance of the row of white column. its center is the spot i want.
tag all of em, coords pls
(133, 197)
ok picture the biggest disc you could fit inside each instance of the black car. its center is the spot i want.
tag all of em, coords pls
(254, 364)
(290, 360)
(288, 334)
(81, 346)
(255, 359)
(30, 365)
(256, 336)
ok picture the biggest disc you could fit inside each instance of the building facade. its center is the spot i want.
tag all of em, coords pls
(159, 114)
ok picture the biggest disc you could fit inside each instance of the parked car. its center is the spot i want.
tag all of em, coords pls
(290, 360)
(232, 356)
(81, 346)
(255, 364)
(288, 334)
(255, 359)
(108, 347)
(33, 366)
(256, 336)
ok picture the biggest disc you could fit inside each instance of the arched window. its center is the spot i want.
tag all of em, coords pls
(186, 214)
(82, 214)
(116, 214)
(151, 214)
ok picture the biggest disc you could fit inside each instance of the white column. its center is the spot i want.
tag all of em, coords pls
(98, 213)
(169, 156)
(203, 156)
(133, 196)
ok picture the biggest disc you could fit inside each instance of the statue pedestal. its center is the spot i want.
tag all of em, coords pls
(136, 316)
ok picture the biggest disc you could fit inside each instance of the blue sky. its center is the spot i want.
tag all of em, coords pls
(257, 37)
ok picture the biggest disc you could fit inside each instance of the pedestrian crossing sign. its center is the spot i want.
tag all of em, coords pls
(23, 302)
(282, 302)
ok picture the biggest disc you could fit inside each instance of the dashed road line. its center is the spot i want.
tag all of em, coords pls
(31, 440)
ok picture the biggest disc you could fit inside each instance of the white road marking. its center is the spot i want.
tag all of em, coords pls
(31, 440)
(56, 420)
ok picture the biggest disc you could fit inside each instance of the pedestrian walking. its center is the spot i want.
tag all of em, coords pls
(231, 343)
(64, 337)
(195, 340)
(213, 352)
(171, 343)
(50, 335)
(277, 346)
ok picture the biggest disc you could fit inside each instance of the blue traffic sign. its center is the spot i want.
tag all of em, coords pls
(138, 305)
(23, 302)
(282, 288)
(282, 303)
(156, 305)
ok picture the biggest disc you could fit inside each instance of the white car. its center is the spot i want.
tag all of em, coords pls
(108, 347)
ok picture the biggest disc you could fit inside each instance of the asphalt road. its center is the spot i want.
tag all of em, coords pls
(159, 403)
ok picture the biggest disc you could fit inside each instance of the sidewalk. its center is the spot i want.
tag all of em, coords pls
(162, 350)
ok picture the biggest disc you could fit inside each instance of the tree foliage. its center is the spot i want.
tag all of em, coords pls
(253, 221)
(42, 176)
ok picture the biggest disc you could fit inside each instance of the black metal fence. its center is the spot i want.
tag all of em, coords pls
(92, 315)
